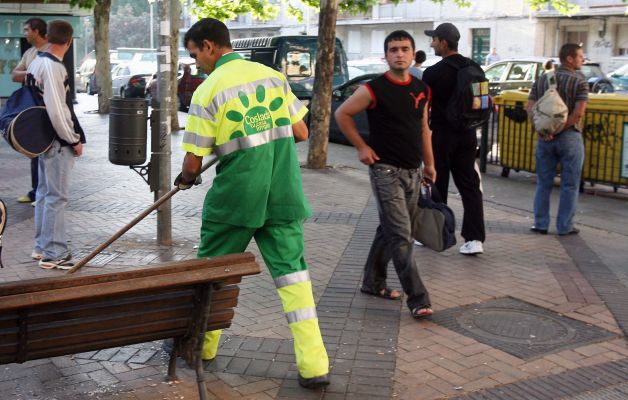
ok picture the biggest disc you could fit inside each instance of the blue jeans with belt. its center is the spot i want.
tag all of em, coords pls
(396, 192)
(567, 149)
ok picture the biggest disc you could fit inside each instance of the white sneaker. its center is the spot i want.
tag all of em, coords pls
(61, 263)
(472, 247)
(417, 243)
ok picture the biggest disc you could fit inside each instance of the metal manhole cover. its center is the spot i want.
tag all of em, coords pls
(519, 328)
(516, 326)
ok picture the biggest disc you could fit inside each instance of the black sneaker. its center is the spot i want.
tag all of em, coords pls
(316, 382)
(538, 230)
(61, 263)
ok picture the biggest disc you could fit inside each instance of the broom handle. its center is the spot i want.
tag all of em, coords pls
(137, 219)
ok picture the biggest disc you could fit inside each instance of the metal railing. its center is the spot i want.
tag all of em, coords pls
(508, 140)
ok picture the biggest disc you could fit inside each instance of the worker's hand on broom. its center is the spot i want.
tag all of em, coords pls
(183, 185)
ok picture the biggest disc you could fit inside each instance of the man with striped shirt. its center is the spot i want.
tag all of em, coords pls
(246, 114)
(564, 147)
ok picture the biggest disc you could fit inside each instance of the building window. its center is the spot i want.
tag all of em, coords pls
(579, 37)
(354, 45)
(377, 42)
(481, 44)
(622, 40)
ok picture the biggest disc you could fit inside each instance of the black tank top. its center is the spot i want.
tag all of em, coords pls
(395, 120)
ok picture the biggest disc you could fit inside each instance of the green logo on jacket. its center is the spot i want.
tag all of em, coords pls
(257, 118)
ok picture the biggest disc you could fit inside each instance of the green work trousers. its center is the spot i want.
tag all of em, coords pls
(281, 245)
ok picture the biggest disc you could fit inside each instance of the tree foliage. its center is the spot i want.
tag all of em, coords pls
(229, 9)
(226, 9)
(130, 27)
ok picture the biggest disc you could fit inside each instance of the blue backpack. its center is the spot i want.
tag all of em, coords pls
(25, 97)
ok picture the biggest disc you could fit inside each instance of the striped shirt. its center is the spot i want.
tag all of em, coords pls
(571, 85)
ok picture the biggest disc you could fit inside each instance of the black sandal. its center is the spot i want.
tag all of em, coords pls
(385, 293)
(422, 312)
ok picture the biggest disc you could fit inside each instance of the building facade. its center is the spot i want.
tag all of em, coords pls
(12, 19)
(508, 25)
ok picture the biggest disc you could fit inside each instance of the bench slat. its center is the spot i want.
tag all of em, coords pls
(113, 288)
(155, 329)
(247, 263)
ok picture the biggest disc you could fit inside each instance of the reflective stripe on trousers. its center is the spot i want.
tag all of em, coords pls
(309, 350)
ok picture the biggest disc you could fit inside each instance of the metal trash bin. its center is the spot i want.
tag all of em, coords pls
(516, 140)
(127, 131)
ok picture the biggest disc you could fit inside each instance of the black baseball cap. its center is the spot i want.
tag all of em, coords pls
(445, 31)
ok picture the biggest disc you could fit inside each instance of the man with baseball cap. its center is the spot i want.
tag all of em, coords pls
(454, 150)
(445, 31)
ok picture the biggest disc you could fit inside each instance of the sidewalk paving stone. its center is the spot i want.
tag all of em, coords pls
(376, 349)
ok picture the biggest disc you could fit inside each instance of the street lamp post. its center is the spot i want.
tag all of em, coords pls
(150, 3)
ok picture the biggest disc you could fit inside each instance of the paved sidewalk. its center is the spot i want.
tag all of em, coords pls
(534, 317)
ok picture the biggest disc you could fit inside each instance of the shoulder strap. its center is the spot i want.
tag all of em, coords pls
(48, 55)
(551, 79)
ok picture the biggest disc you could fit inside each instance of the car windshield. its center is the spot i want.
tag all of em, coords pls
(494, 73)
(591, 71)
(620, 72)
(375, 66)
(143, 68)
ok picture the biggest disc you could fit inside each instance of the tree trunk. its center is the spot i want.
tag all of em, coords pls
(175, 17)
(320, 108)
(103, 66)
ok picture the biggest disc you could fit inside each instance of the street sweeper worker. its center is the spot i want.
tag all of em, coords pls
(246, 114)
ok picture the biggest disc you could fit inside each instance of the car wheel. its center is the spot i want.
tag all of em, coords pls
(602, 87)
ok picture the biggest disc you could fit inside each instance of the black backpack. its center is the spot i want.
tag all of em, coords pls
(470, 104)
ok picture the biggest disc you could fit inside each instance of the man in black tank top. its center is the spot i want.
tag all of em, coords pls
(399, 142)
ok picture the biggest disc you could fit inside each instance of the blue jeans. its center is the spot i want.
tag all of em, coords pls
(52, 198)
(567, 149)
(396, 191)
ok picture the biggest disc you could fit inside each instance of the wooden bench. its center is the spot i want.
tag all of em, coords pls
(70, 314)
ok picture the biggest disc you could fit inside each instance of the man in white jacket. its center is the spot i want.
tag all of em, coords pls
(51, 78)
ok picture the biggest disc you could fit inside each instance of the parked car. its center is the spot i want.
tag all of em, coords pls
(339, 95)
(130, 79)
(619, 77)
(83, 74)
(85, 79)
(295, 57)
(521, 73)
(370, 65)
(354, 72)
